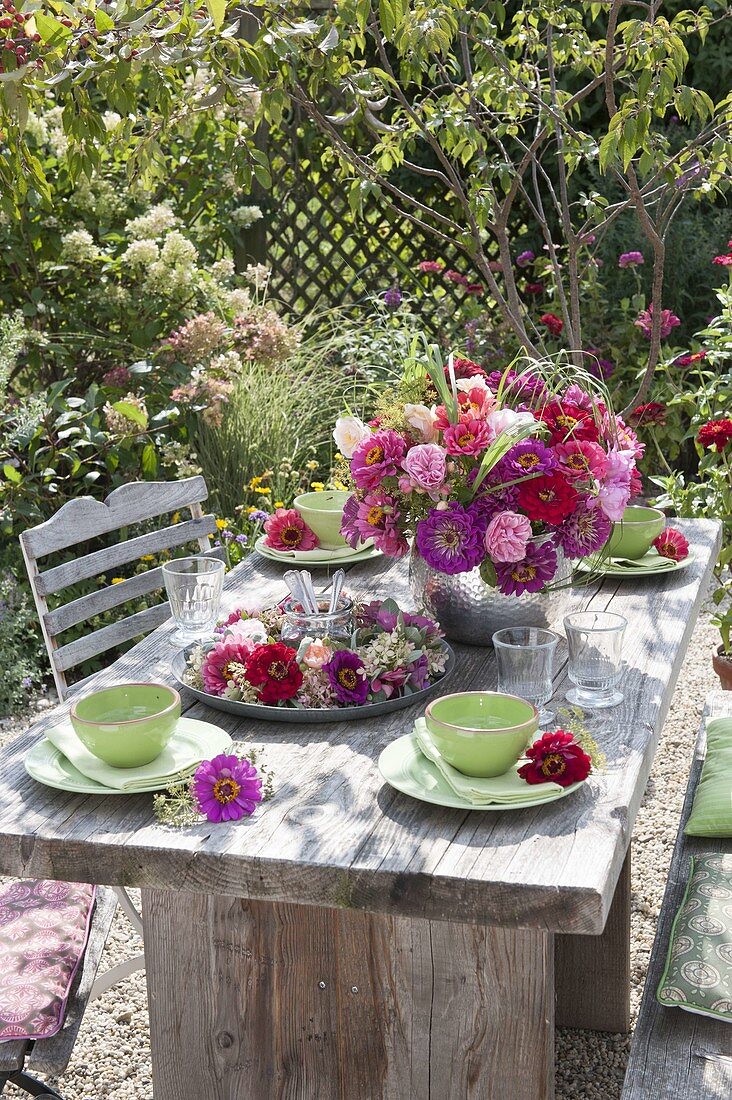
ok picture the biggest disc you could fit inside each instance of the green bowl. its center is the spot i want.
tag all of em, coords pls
(323, 513)
(127, 725)
(481, 733)
(633, 535)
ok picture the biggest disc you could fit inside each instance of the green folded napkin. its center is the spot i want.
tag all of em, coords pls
(319, 555)
(648, 561)
(501, 789)
(176, 763)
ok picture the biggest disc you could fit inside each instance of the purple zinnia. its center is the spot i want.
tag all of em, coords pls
(525, 385)
(226, 788)
(419, 675)
(531, 573)
(597, 366)
(348, 677)
(630, 259)
(584, 532)
(644, 321)
(393, 297)
(525, 258)
(376, 457)
(531, 456)
(450, 540)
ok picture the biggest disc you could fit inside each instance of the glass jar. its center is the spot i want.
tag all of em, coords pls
(336, 625)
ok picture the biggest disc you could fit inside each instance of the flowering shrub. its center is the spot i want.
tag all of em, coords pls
(21, 647)
(392, 653)
(504, 471)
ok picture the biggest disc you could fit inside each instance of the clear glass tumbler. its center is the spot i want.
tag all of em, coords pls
(194, 586)
(595, 641)
(525, 658)
(333, 625)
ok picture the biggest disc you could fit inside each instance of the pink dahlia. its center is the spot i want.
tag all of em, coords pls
(287, 530)
(644, 322)
(219, 662)
(468, 437)
(227, 788)
(672, 544)
(507, 537)
(615, 486)
(377, 457)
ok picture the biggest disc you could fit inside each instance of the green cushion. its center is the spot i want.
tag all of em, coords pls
(698, 973)
(711, 814)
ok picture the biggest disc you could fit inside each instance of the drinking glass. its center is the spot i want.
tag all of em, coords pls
(194, 587)
(525, 657)
(595, 641)
(334, 625)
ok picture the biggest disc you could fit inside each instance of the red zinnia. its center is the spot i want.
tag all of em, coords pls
(717, 433)
(566, 422)
(273, 669)
(687, 360)
(556, 758)
(553, 323)
(672, 544)
(465, 368)
(652, 413)
(534, 288)
(549, 498)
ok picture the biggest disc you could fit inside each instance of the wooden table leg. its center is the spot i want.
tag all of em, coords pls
(282, 1002)
(593, 972)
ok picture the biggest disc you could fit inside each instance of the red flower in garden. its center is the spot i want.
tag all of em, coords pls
(642, 415)
(455, 277)
(566, 421)
(465, 368)
(431, 267)
(475, 289)
(724, 261)
(553, 323)
(556, 758)
(717, 433)
(550, 498)
(687, 360)
(273, 669)
(534, 288)
(672, 544)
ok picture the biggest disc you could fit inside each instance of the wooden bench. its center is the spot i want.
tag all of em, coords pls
(678, 1055)
(22, 1059)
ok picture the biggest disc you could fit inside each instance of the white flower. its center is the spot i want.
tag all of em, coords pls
(257, 275)
(244, 216)
(348, 433)
(158, 220)
(503, 419)
(475, 382)
(58, 143)
(247, 630)
(140, 254)
(178, 251)
(422, 420)
(37, 129)
(222, 270)
(79, 247)
(239, 302)
(111, 120)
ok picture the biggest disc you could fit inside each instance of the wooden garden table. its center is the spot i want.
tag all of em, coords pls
(348, 942)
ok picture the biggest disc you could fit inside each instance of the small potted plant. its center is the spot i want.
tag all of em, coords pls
(722, 659)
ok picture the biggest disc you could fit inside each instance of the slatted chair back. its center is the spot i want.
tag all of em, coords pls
(83, 520)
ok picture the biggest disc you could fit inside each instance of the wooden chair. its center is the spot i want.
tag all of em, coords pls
(86, 520)
(21, 1059)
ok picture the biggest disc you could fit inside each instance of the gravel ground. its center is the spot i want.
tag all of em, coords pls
(112, 1055)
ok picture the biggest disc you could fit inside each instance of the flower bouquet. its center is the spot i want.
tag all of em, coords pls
(508, 474)
(393, 658)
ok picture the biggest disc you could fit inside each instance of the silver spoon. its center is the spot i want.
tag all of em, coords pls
(293, 580)
(308, 588)
(338, 578)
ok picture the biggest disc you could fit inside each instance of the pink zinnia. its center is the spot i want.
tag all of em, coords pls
(431, 267)
(287, 530)
(644, 321)
(581, 458)
(672, 544)
(553, 323)
(469, 437)
(426, 466)
(507, 536)
(455, 277)
(227, 788)
(217, 667)
(377, 457)
(630, 259)
(615, 487)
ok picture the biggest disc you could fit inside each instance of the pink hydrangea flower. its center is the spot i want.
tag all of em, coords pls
(426, 465)
(507, 536)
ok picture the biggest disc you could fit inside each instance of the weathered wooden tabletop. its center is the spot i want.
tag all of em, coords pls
(335, 834)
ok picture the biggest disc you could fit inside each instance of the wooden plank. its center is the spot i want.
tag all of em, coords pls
(95, 603)
(12, 1054)
(603, 1002)
(73, 653)
(50, 1057)
(86, 518)
(335, 834)
(321, 1004)
(121, 553)
(679, 1055)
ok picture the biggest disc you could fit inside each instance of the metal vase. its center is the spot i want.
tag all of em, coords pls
(470, 612)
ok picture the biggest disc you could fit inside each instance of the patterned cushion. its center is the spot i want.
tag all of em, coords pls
(43, 932)
(711, 814)
(698, 974)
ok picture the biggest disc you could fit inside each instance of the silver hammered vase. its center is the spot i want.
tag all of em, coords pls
(469, 611)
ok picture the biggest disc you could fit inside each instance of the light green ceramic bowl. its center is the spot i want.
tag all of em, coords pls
(323, 513)
(633, 535)
(481, 733)
(127, 725)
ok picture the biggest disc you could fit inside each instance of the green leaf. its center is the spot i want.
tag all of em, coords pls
(217, 11)
(149, 460)
(52, 32)
(126, 408)
(102, 21)
(12, 474)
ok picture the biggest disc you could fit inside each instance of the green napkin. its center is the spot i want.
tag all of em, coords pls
(648, 561)
(320, 554)
(177, 762)
(506, 788)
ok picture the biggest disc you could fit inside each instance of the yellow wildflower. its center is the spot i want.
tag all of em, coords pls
(263, 490)
(279, 504)
(318, 486)
(338, 457)
(251, 508)
(175, 518)
(311, 465)
(117, 580)
(221, 524)
(340, 485)
(147, 557)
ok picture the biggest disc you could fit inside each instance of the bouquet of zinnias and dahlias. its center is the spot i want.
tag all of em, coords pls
(499, 471)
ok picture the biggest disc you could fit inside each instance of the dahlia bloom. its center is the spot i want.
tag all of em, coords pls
(507, 537)
(672, 544)
(630, 259)
(348, 678)
(531, 573)
(644, 321)
(556, 758)
(425, 465)
(274, 671)
(584, 532)
(465, 368)
(287, 530)
(376, 457)
(715, 433)
(314, 653)
(450, 540)
(227, 788)
(549, 498)
(553, 323)
(614, 492)
(216, 669)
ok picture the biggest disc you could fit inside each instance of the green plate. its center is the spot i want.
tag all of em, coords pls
(46, 764)
(309, 557)
(609, 568)
(405, 768)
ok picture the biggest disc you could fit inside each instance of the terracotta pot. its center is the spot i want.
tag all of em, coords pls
(722, 663)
